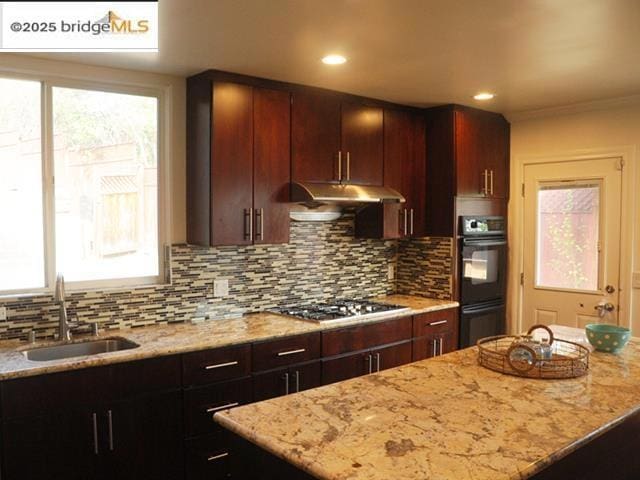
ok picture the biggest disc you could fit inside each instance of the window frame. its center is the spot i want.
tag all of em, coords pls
(162, 94)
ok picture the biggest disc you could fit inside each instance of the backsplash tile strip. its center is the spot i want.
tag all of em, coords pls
(321, 262)
(425, 267)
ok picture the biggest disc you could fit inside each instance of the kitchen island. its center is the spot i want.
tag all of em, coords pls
(448, 418)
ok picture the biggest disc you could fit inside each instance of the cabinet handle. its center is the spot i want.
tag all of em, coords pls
(296, 376)
(348, 166)
(440, 349)
(220, 365)
(370, 362)
(291, 352)
(411, 222)
(434, 347)
(485, 189)
(259, 223)
(439, 322)
(405, 222)
(339, 165)
(377, 362)
(222, 407)
(491, 181)
(248, 219)
(110, 420)
(94, 417)
(213, 458)
(286, 384)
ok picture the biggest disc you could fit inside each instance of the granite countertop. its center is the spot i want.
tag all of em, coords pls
(445, 418)
(158, 340)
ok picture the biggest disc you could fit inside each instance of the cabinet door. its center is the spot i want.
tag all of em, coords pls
(498, 156)
(347, 366)
(391, 356)
(273, 383)
(425, 347)
(398, 164)
(471, 153)
(144, 438)
(362, 144)
(272, 165)
(315, 138)
(305, 376)
(416, 183)
(231, 164)
(57, 445)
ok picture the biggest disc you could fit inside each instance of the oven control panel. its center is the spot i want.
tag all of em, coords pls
(483, 225)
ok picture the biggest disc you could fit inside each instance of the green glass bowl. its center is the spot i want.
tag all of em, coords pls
(607, 338)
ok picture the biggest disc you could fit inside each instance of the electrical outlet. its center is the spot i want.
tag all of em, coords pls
(3, 313)
(391, 272)
(220, 288)
(636, 279)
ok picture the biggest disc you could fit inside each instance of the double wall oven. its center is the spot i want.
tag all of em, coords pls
(483, 264)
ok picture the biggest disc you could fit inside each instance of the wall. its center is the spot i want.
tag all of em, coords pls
(425, 267)
(597, 127)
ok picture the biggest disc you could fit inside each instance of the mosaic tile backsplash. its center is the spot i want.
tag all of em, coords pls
(425, 267)
(321, 262)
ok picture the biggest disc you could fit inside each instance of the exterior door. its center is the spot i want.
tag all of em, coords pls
(572, 242)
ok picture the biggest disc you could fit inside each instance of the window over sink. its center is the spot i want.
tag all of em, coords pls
(79, 185)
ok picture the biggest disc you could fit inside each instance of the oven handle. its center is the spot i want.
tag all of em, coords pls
(483, 243)
(482, 308)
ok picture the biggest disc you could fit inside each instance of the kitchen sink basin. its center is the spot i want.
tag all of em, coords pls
(79, 349)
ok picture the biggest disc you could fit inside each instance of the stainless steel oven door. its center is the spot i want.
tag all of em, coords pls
(483, 269)
(481, 320)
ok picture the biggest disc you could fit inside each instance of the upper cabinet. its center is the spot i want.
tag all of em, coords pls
(315, 138)
(334, 141)
(467, 162)
(404, 170)
(238, 164)
(362, 144)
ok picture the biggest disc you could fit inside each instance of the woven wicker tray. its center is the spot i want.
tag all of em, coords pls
(568, 359)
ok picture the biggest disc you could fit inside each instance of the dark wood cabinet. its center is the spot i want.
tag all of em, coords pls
(362, 144)
(95, 423)
(467, 159)
(391, 356)
(435, 333)
(405, 172)
(360, 337)
(344, 367)
(335, 140)
(284, 381)
(315, 137)
(238, 172)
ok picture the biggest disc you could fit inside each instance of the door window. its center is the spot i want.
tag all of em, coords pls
(568, 236)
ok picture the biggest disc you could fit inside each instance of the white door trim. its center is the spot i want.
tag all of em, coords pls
(629, 213)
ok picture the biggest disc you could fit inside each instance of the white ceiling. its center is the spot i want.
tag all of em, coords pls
(532, 53)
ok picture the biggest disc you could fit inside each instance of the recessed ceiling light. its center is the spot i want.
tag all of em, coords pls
(484, 96)
(334, 59)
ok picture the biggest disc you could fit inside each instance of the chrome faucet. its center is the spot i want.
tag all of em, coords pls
(64, 326)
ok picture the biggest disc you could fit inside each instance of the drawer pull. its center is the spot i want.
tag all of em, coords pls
(291, 352)
(220, 365)
(213, 458)
(439, 322)
(222, 407)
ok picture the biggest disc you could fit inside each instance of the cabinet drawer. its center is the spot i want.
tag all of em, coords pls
(211, 457)
(216, 365)
(336, 342)
(435, 322)
(287, 351)
(200, 404)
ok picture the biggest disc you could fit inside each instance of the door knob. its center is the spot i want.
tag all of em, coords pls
(609, 289)
(602, 307)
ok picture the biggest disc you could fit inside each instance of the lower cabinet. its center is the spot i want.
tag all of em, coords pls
(284, 381)
(435, 333)
(215, 456)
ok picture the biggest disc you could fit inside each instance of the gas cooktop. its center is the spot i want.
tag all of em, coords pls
(339, 310)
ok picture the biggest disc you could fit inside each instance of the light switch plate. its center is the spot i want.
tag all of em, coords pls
(391, 272)
(220, 288)
(636, 279)
(3, 313)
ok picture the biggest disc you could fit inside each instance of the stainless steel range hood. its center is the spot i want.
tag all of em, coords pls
(323, 193)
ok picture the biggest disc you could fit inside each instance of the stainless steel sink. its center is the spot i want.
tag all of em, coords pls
(79, 349)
